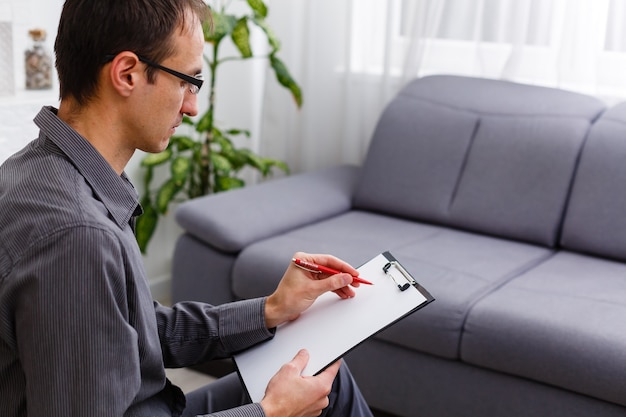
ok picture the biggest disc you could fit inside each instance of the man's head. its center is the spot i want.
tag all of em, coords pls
(91, 30)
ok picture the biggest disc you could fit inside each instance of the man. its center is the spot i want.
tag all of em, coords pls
(79, 333)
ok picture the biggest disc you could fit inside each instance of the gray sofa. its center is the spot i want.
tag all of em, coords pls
(506, 201)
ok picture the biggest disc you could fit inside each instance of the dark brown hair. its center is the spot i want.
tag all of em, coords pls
(91, 30)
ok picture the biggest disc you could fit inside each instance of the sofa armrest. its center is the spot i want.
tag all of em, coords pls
(232, 220)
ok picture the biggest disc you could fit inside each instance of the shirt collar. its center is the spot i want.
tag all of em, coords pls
(116, 192)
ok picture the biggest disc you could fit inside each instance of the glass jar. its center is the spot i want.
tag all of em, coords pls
(38, 63)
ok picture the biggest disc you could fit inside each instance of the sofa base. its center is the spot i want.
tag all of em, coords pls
(445, 388)
(193, 283)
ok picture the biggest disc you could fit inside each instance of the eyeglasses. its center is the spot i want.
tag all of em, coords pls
(194, 83)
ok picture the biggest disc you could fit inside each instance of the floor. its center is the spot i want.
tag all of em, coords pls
(188, 379)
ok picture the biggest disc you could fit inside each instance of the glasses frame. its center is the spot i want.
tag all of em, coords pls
(195, 83)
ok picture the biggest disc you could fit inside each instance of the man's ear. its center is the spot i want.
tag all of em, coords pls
(125, 72)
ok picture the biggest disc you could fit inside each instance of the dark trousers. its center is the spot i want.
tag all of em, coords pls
(227, 392)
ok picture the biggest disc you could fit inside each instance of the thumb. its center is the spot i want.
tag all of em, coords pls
(330, 373)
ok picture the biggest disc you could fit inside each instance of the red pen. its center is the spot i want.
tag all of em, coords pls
(311, 267)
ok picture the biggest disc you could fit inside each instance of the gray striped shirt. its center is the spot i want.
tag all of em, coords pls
(79, 332)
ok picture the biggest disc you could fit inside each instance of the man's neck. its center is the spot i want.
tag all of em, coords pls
(98, 127)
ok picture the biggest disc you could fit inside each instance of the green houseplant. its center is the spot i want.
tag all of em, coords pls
(208, 161)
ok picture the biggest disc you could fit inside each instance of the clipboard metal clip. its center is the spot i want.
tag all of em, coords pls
(405, 274)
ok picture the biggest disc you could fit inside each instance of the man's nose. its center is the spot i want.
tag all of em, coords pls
(190, 105)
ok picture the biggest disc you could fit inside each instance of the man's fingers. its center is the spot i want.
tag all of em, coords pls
(335, 282)
(339, 284)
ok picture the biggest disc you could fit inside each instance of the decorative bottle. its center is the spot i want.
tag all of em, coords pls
(38, 63)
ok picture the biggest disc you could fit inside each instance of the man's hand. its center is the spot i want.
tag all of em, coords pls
(290, 394)
(298, 289)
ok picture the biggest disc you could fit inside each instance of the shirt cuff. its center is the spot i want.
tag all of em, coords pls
(242, 324)
(249, 410)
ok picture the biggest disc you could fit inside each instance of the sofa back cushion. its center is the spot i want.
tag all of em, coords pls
(595, 221)
(486, 155)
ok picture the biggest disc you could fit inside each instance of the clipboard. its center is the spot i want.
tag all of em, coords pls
(332, 326)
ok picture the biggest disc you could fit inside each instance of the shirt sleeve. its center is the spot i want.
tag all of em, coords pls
(192, 332)
(77, 350)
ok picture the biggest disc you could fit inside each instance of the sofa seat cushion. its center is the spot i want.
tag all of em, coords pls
(457, 267)
(561, 323)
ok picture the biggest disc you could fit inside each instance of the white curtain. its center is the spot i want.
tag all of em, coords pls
(352, 56)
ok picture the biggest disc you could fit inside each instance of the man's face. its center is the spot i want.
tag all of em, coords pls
(169, 98)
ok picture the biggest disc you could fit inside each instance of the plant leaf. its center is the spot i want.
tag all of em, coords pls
(259, 8)
(228, 183)
(285, 79)
(272, 39)
(166, 194)
(147, 179)
(237, 157)
(263, 165)
(241, 37)
(281, 165)
(225, 144)
(184, 143)
(222, 26)
(220, 163)
(180, 168)
(155, 159)
(205, 121)
(255, 161)
(238, 132)
(146, 224)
